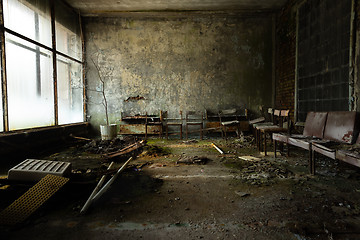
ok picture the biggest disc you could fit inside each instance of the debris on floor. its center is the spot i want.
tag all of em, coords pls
(126, 150)
(193, 160)
(155, 151)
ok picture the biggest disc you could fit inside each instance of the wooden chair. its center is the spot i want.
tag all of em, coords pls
(225, 124)
(194, 118)
(175, 122)
(149, 122)
(280, 117)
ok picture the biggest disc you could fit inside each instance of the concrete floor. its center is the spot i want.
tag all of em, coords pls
(164, 196)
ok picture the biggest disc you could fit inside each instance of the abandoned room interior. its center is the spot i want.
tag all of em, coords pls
(217, 119)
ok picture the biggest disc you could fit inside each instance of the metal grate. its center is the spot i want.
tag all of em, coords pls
(34, 169)
(36, 196)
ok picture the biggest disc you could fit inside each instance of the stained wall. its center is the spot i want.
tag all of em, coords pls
(181, 62)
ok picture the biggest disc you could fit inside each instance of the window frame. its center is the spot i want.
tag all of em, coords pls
(55, 54)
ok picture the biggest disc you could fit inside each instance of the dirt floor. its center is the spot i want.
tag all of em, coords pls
(179, 189)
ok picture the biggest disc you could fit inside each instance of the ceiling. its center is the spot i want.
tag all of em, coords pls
(94, 7)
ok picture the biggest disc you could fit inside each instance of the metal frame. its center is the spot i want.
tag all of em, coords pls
(297, 62)
(52, 49)
(352, 49)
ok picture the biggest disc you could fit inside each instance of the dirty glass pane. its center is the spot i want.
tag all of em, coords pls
(67, 27)
(30, 85)
(30, 18)
(70, 91)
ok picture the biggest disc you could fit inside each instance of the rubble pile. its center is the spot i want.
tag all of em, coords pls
(106, 146)
(261, 171)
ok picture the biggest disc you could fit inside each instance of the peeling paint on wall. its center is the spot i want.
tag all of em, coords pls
(192, 63)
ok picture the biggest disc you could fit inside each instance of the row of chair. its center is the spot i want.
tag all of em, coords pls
(278, 121)
(226, 119)
(326, 133)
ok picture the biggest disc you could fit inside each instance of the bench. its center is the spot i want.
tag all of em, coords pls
(340, 132)
(313, 130)
(323, 130)
(350, 156)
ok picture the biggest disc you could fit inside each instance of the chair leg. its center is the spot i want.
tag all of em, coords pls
(288, 150)
(311, 156)
(265, 153)
(186, 131)
(181, 132)
(146, 131)
(167, 132)
(313, 163)
(275, 143)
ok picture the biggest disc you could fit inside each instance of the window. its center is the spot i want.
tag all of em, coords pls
(30, 66)
(70, 91)
(323, 56)
(30, 91)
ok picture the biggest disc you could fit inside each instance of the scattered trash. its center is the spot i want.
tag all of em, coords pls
(157, 165)
(217, 148)
(242, 194)
(249, 158)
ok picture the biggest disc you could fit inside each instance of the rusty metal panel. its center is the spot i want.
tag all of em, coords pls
(315, 124)
(139, 129)
(340, 126)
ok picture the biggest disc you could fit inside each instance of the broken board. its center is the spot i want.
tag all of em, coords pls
(31, 200)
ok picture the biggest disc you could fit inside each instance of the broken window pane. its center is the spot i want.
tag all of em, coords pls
(30, 85)
(30, 18)
(70, 91)
(67, 27)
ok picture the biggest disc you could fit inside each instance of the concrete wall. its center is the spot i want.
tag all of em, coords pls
(180, 62)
